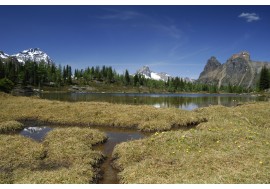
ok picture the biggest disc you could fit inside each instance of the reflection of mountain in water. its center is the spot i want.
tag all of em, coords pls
(183, 101)
(36, 133)
(34, 129)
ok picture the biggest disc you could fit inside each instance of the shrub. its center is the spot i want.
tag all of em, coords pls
(6, 85)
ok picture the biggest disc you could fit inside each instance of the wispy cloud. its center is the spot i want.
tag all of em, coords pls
(120, 15)
(250, 17)
(138, 19)
(171, 30)
(176, 52)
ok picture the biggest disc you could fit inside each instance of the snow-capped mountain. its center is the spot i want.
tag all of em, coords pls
(33, 54)
(147, 73)
(3, 55)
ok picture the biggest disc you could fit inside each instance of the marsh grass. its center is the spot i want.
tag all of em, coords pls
(18, 152)
(65, 156)
(9, 126)
(232, 147)
(144, 118)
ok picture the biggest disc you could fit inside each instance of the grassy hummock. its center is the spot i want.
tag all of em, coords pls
(9, 126)
(65, 157)
(144, 118)
(232, 147)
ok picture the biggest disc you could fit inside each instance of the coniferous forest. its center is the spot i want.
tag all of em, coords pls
(42, 74)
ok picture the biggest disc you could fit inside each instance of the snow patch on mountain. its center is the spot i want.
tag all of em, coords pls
(147, 73)
(33, 54)
(3, 55)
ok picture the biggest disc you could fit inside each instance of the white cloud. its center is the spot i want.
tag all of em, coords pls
(250, 17)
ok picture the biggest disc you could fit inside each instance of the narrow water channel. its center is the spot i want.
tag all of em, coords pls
(109, 174)
(115, 136)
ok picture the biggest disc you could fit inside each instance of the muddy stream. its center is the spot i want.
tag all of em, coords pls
(115, 136)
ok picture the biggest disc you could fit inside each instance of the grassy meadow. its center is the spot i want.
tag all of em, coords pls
(145, 118)
(228, 144)
(64, 157)
(232, 147)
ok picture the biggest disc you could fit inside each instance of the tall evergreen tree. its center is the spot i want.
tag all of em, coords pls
(127, 78)
(264, 82)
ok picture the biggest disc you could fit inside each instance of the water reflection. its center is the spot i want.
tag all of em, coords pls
(36, 133)
(183, 101)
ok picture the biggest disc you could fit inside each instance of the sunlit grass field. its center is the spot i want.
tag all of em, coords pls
(64, 157)
(145, 118)
(228, 145)
(232, 147)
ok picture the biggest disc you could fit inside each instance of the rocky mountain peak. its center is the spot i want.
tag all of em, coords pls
(244, 55)
(238, 70)
(147, 73)
(3, 55)
(145, 70)
(212, 64)
(33, 54)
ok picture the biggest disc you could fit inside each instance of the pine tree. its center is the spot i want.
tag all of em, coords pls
(127, 78)
(264, 82)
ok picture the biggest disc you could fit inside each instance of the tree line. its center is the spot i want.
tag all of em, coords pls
(39, 74)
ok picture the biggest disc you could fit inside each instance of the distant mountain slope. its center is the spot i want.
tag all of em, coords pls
(147, 73)
(32, 54)
(3, 55)
(239, 70)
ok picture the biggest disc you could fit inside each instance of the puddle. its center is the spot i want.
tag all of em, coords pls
(36, 133)
(115, 136)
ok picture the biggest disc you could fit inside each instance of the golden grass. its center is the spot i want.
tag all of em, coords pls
(68, 146)
(9, 126)
(17, 152)
(76, 174)
(232, 147)
(66, 156)
(145, 118)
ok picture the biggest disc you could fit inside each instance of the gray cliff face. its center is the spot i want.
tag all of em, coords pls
(239, 70)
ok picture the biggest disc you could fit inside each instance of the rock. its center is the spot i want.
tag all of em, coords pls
(239, 70)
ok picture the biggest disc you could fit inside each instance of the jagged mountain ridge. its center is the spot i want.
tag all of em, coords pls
(32, 54)
(3, 55)
(147, 73)
(238, 70)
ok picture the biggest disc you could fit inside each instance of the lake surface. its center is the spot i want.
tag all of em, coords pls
(182, 101)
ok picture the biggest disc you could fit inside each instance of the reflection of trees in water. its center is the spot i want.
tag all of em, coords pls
(189, 101)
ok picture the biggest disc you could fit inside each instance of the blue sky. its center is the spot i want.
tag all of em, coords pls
(174, 39)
